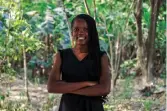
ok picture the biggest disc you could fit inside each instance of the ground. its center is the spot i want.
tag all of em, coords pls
(126, 98)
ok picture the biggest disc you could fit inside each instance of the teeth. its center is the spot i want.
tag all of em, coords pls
(81, 38)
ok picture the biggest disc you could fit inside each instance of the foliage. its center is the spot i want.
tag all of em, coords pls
(8, 105)
(52, 21)
(147, 105)
(45, 18)
(49, 25)
(39, 62)
(108, 107)
(163, 75)
(127, 88)
(49, 103)
(8, 69)
(15, 35)
(126, 66)
(13, 106)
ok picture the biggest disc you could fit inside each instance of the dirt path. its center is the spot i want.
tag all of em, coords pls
(38, 93)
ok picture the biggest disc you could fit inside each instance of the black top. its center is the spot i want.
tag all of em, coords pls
(74, 70)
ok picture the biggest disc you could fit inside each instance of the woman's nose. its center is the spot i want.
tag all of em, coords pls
(81, 31)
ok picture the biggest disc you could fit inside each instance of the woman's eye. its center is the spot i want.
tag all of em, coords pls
(85, 29)
(75, 29)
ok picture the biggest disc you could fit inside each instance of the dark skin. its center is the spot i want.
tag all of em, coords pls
(80, 50)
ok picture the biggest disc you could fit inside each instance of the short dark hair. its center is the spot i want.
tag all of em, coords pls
(93, 42)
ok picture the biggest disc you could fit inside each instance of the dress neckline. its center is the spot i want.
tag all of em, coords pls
(79, 60)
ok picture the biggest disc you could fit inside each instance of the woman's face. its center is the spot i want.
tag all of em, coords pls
(80, 32)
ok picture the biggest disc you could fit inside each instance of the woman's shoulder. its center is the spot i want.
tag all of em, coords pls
(64, 50)
(102, 53)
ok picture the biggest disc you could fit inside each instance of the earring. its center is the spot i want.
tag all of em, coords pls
(73, 42)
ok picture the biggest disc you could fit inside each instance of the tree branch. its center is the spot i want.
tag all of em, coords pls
(87, 8)
(94, 3)
(138, 17)
(151, 37)
(68, 24)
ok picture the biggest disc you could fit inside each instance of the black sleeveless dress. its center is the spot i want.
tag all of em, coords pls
(74, 70)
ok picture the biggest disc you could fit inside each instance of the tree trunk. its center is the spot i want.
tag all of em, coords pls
(151, 38)
(116, 53)
(48, 43)
(25, 75)
(145, 55)
(116, 57)
(141, 55)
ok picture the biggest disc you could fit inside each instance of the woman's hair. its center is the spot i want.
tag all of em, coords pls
(93, 41)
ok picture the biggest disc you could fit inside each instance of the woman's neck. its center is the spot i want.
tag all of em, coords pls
(81, 49)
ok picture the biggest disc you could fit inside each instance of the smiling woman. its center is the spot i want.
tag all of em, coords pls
(80, 32)
(84, 70)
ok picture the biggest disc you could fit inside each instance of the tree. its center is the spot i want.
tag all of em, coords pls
(17, 38)
(145, 51)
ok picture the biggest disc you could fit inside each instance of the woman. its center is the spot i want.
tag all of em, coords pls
(81, 73)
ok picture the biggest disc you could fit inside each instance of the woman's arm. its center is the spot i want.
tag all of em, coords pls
(103, 88)
(55, 85)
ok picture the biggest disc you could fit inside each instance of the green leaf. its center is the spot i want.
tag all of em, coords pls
(109, 35)
(162, 25)
(102, 38)
(69, 5)
(2, 97)
(90, 2)
(26, 32)
(146, 16)
(15, 57)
